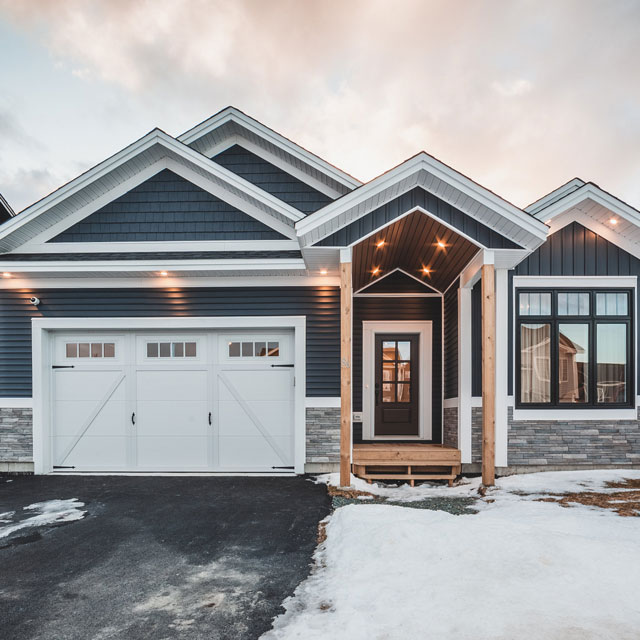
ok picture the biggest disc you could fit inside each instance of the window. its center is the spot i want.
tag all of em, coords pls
(254, 349)
(574, 348)
(90, 350)
(171, 349)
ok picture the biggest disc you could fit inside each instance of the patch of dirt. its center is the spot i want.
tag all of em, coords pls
(337, 492)
(322, 532)
(626, 483)
(624, 503)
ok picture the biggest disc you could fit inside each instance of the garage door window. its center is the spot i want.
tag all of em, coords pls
(90, 350)
(171, 350)
(254, 349)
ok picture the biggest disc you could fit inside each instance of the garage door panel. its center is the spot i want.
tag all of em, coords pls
(91, 453)
(274, 417)
(172, 453)
(249, 453)
(172, 384)
(266, 384)
(78, 385)
(71, 417)
(169, 418)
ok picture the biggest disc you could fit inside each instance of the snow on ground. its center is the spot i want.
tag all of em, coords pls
(519, 568)
(51, 512)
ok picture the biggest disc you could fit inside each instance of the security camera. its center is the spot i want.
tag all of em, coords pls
(34, 301)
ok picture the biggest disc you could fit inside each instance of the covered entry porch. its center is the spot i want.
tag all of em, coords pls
(413, 245)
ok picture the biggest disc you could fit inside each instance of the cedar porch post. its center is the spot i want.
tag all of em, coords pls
(488, 375)
(345, 370)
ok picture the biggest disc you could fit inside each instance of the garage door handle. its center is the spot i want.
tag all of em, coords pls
(209, 417)
(63, 366)
(283, 365)
(133, 418)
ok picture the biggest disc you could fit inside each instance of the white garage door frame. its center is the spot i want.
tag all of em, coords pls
(43, 331)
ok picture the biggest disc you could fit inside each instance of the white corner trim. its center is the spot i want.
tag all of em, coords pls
(345, 255)
(476, 401)
(464, 374)
(369, 330)
(502, 368)
(16, 403)
(322, 403)
(451, 403)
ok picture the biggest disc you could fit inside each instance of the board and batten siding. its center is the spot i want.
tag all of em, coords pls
(406, 309)
(166, 207)
(451, 342)
(272, 179)
(320, 305)
(574, 250)
(417, 197)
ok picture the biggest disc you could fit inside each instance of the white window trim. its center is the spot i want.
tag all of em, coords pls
(575, 282)
(369, 331)
(42, 340)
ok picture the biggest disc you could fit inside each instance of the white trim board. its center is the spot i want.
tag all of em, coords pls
(42, 339)
(369, 331)
(322, 403)
(16, 403)
(360, 291)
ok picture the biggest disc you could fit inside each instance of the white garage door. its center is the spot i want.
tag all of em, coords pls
(208, 401)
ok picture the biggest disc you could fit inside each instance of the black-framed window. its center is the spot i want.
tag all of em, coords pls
(574, 348)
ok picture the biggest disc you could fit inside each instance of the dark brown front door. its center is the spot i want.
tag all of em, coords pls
(396, 385)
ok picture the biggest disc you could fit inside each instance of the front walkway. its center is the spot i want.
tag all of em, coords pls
(154, 557)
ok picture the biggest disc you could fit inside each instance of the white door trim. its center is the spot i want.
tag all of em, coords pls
(369, 331)
(42, 357)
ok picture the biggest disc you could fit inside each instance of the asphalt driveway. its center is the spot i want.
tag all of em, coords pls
(156, 557)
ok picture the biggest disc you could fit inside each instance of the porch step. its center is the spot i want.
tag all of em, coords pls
(382, 461)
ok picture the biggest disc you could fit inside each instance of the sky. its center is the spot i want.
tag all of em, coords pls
(519, 95)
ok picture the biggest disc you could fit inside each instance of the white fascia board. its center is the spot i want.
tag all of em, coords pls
(554, 196)
(129, 266)
(421, 162)
(232, 114)
(157, 247)
(596, 194)
(155, 137)
(73, 281)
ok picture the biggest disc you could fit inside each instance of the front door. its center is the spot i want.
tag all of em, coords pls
(396, 385)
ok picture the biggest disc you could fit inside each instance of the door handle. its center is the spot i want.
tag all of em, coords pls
(133, 418)
(209, 418)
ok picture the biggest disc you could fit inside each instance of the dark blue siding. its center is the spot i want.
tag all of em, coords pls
(417, 197)
(320, 305)
(272, 179)
(398, 282)
(573, 251)
(165, 208)
(399, 309)
(451, 342)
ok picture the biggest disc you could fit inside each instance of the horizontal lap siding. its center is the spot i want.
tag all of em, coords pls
(320, 305)
(417, 197)
(167, 208)
(575, 251)
(272, 179)
(407, 309)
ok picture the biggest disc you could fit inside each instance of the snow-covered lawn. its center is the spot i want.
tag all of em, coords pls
(520, 568)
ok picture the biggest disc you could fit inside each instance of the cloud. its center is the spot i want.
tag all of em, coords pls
(514, 94)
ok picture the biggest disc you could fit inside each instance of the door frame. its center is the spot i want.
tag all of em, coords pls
(43, 331)
(369, 330)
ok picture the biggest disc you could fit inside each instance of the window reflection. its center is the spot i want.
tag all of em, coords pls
(535, 359)
(611, 360)
(573, 362)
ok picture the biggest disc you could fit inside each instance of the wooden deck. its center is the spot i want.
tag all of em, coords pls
(412, 461)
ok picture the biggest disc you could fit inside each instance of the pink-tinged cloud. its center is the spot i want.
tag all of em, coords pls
(521, 96)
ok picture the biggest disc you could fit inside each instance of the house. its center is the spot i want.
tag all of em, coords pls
(227, 301)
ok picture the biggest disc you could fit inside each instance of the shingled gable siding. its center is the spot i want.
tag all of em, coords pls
(408, 309)
(320, 305)
(418, 197)
(167, 207)
(272, 179)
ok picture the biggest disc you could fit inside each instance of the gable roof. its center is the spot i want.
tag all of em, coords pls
(595, 209)
(435, 177)
(232, 125)
(127, 168)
